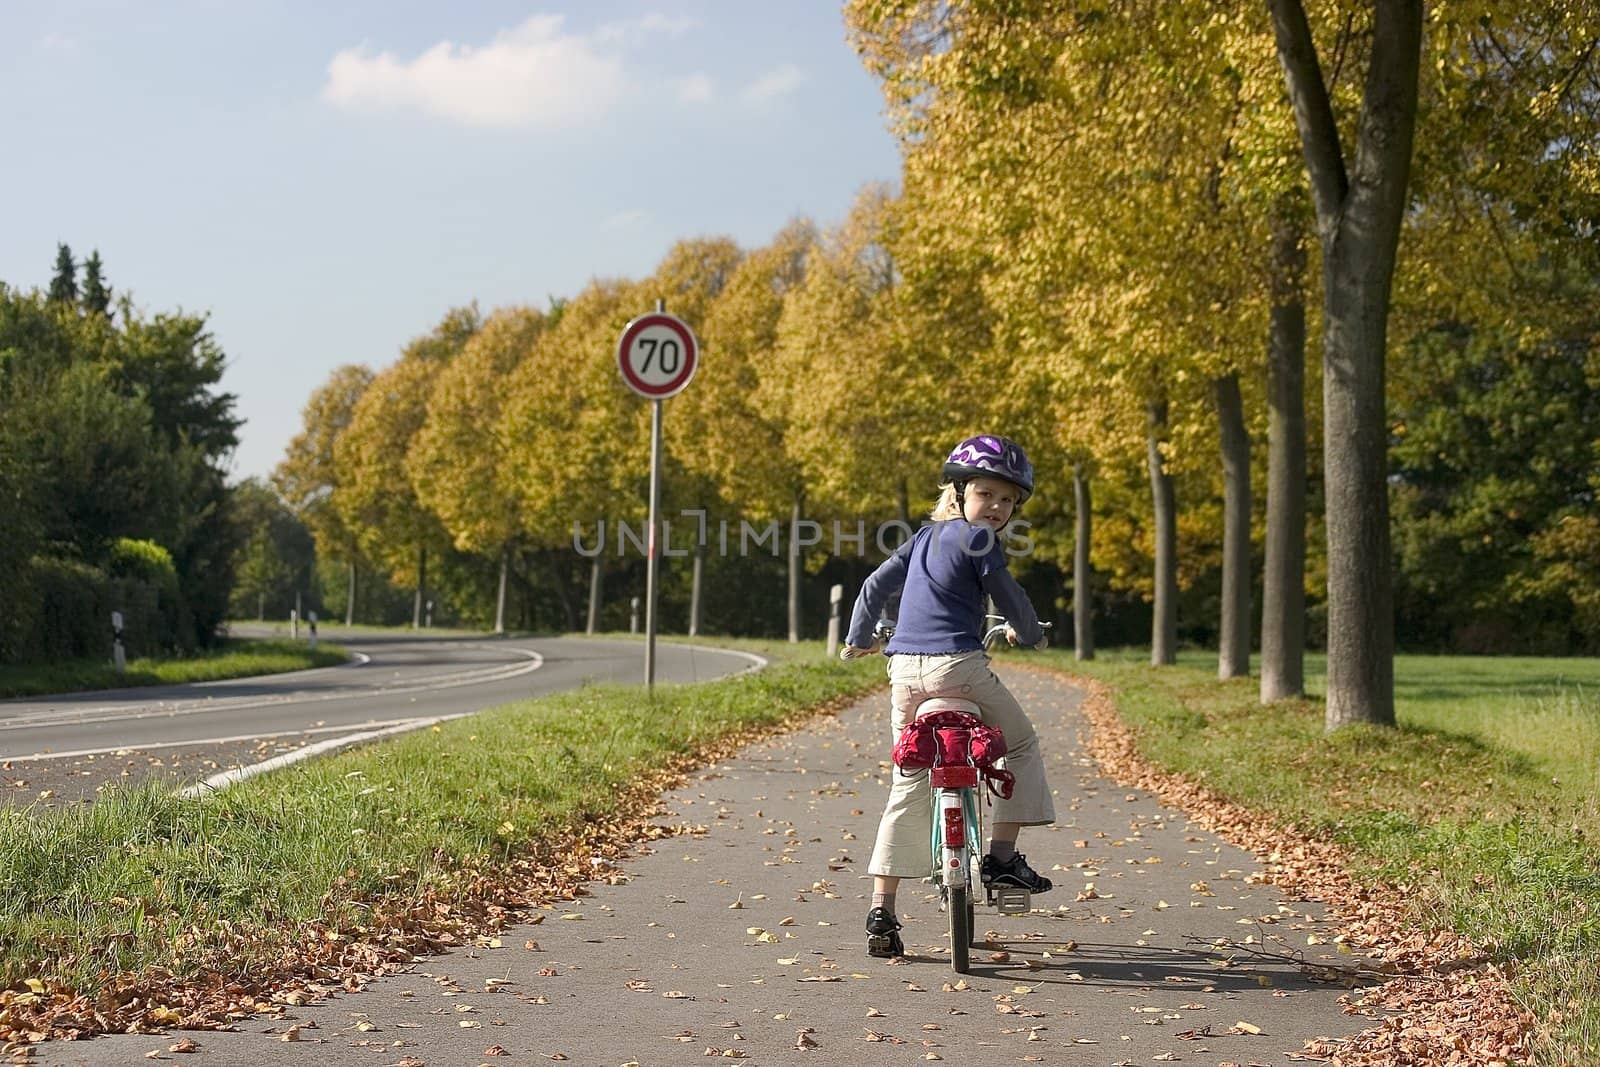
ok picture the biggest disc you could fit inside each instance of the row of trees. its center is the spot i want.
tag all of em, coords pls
(113, 445)
(1101, 246)
(1133, 189)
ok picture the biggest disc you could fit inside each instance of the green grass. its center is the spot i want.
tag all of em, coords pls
(1485, 797)
(773, 648)
(280, 628)
(123, 883)
(236, 658)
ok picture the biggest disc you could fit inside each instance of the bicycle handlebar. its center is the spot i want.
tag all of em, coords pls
(885, 630)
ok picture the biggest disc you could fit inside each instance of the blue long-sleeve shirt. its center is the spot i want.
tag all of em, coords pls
(944, 573)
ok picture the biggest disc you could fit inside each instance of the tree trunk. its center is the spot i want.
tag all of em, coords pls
(556, 564)
(1355, 465)
(1233, 654)
(1082, 579)
(1283, 597)
(422, 588)
(596, 577)
(1358, 220)
(794, 567)
(500, 597)
(1164, 626)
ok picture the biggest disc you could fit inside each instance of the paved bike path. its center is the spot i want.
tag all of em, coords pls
(746, 942)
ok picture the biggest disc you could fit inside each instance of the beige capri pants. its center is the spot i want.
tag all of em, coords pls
(903, 849)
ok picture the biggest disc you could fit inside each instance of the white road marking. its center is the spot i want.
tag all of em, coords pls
(756, 661)
(222, 781)
(377, 729)
(127, 711)
(198, 742)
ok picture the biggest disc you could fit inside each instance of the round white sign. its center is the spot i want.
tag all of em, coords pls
(657, 355)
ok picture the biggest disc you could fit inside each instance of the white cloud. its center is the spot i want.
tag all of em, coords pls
(531, 75)
(58, 43)
(695, 89)
(635, 31)
(624, 219)
(775, 83)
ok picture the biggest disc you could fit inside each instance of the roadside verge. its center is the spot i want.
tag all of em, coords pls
(147, 910)
(1444, 998)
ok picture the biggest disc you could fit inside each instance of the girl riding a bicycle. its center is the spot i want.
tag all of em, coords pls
(944, 573)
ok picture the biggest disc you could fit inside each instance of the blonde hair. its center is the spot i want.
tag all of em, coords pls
(948, 506)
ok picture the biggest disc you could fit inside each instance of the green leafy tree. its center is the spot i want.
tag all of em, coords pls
(688, 281)
(1493, 461)
(863, 406)
(96, 297)
(718, 424)
(121, 433)
(64, 283)
(21, 540)
(308, 475)
(1073, 261)
(457, 463)
(173, 363)
(374, 496)
(860, 411)
(578, 441)
(98, 467)
(1491, 390)
(277, 557)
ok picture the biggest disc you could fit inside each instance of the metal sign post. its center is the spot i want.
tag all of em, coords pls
(653, 562)
(657, 356)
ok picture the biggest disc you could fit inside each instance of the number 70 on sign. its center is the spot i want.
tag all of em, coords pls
(657, 355)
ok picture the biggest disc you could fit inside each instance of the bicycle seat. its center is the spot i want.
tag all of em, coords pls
(937, 704)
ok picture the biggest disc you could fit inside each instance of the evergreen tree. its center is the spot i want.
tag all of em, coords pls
(64, 286)
(96, 298)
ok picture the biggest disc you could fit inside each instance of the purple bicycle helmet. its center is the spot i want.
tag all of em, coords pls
(993, 457)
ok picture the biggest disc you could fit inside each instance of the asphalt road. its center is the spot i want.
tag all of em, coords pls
(744, 941)
(67, 745)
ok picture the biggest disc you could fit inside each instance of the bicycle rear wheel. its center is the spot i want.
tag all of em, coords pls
(958, 905)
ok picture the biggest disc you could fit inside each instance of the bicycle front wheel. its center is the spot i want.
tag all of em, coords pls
(958, 905)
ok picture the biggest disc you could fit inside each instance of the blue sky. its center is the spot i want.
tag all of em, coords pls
(325, 180)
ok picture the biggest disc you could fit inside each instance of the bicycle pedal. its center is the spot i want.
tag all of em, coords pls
(1010, 899)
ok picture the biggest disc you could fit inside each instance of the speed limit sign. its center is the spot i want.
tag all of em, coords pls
(657, 355)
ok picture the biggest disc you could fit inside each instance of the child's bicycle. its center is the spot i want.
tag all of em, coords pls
(949, 738)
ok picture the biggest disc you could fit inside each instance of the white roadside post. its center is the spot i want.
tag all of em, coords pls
(294, 624)
(657, 355)
(119, 655)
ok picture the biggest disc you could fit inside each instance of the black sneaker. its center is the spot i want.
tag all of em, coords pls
(1013, 872)
(883, 934)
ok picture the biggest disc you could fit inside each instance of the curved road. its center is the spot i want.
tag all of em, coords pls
(393, 679)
